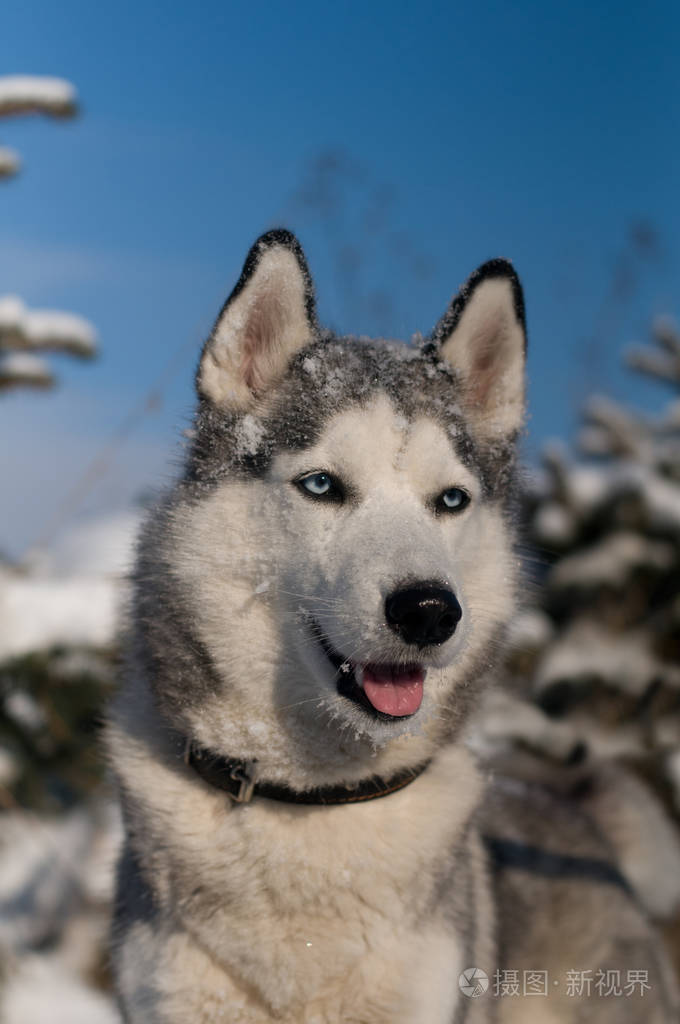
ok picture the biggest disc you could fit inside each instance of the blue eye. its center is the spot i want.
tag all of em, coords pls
(453, 499)
(317, 483)
(321, 485)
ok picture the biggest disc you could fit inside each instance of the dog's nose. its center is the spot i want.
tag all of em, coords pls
(423, 614)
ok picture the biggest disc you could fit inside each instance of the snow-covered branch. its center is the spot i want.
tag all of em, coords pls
(21, 370)
(37, 94)
(23, 331)
(656, 364)
(662, 362)
(666, 332)
(44, 330)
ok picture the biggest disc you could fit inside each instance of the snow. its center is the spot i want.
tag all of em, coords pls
(29, 94)
(37, 877)
(553, 525)
(96, 547)
(18, 369)
(666, 331)
(44, 329)
(611, 561)
(39, 613)
(39, 991)
(531, 629)
(505, 720)
(594, 441)
(656, 364)
(56, 877)
(605, 411)
(311, 366)
(74, 596)
(587, 487)
(661, 498)
(586, 652)
(249, 435)
(612, 429)
(579, 492)
(662, 362)
(23, 710)
(333, 386)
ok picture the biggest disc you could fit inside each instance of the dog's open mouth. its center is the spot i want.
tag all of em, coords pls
(385, 691)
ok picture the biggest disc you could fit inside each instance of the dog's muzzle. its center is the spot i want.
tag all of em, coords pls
(388, 692)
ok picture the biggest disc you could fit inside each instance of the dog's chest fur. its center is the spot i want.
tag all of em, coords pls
(324, 914)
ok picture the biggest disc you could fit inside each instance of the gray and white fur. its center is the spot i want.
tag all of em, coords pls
(247, 573)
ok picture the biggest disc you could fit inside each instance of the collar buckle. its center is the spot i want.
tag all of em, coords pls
(246, 775)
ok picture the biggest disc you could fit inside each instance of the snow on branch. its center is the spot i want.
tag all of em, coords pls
(43, 330)
(656, 364)
(610, 429)
(19, 369)
(587, 654)
(666, 332)
(662, 362)
(37, 94)
(611, 562)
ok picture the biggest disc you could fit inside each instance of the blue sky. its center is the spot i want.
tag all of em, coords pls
(450, 133)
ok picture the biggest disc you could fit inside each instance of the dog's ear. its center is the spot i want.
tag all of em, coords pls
(482, 336)
(268, 317)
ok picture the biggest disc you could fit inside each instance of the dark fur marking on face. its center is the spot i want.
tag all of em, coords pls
(327, 377)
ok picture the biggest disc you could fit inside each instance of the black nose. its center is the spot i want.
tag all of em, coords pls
(423, 614)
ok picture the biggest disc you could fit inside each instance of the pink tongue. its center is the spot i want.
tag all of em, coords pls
(394, 691)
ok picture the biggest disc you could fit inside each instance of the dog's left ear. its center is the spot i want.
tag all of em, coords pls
(269, 316)
(483, 337)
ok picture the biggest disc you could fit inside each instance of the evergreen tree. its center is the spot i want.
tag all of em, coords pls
(589, 703)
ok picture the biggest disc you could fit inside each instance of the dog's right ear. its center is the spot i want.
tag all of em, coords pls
(269, 316)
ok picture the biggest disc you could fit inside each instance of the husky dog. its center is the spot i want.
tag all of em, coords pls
(318, 605)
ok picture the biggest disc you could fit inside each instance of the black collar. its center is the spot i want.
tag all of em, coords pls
(240, 780)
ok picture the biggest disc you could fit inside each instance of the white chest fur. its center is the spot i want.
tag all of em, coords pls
(296, 914)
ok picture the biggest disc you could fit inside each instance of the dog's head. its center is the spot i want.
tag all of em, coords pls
(329, 581)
